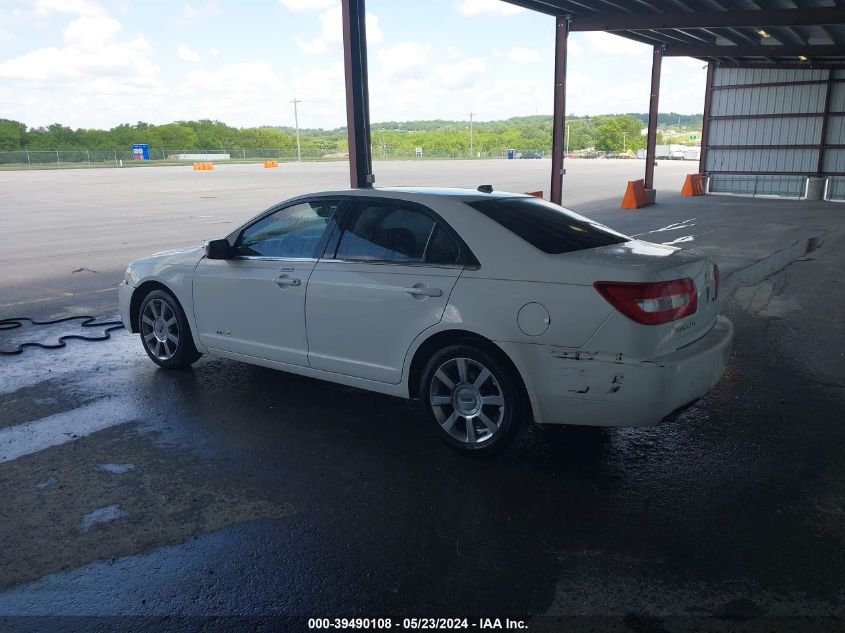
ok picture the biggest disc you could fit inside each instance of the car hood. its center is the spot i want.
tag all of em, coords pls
(177, 257)
(185, 256)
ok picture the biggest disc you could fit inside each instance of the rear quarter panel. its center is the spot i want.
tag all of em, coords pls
(491, 308)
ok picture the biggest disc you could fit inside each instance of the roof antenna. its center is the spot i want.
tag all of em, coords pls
(485, 188)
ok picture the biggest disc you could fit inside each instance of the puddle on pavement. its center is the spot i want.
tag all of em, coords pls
(79, 502)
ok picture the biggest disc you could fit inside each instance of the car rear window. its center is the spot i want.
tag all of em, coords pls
(547, 226)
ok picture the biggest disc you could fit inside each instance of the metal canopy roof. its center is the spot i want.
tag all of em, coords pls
(808, 32)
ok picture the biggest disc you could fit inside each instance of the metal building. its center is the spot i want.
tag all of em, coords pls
(775, 131)
(775, 99)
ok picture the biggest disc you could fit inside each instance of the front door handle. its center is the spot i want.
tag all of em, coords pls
(284, 281)
(424, 291)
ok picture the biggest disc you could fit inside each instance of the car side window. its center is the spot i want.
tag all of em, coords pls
(442, 249)
(293, 231)
(389, 232)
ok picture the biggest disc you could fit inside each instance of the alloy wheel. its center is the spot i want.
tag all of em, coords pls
(467, 400)
(160, 329)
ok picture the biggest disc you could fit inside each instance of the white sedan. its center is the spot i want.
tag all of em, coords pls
(489, 308)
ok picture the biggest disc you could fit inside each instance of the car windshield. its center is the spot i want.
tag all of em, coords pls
(546, 226)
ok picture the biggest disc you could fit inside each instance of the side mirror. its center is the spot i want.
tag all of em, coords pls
(218, 249)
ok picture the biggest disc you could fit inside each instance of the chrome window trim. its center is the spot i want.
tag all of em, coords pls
(382, 262)
(263, 258)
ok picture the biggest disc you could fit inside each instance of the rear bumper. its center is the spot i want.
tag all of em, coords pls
(569, 387)
(124, 301)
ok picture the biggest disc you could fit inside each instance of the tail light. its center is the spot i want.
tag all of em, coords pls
(651, 303)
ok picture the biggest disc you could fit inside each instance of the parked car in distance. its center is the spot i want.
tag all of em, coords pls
(531, 154)
(488, 308)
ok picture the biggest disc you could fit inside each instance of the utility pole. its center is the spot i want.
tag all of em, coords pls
(624, 141)
(567, 139)
(471, 114)
(296, 122)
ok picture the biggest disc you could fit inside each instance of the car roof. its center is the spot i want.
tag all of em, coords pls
(448, 192)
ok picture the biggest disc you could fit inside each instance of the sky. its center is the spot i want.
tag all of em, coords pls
(99, 63)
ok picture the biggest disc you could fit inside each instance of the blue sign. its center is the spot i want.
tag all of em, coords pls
(140, 151)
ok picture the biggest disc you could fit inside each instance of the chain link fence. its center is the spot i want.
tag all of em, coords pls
(84, 158)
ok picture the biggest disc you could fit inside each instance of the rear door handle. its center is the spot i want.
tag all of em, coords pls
(424, 291)
(284, 281)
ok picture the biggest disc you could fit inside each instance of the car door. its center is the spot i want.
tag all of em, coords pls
(386, 276)
(254, 303)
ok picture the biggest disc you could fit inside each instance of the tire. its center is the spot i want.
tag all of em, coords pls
(164, 331)
(472, 398)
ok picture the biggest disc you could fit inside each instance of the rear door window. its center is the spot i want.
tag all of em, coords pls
(385, 233)
(546, 226)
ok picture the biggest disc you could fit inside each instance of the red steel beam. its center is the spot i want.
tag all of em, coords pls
(651, 143)
(357, 93)
(826, 117)
(559, 116)
(755, 50)
(643, 21)
(705, 123)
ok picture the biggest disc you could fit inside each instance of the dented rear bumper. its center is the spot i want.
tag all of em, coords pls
(569, 387)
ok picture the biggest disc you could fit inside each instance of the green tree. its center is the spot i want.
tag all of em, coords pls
(12, 135)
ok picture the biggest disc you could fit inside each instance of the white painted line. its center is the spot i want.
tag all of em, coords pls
(55, 430)
(671, 227)
(685, 238)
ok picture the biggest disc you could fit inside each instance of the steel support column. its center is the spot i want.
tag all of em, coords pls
(651, 142)
(705, 124)
(825, 118)
(559, 117)
(357, 93)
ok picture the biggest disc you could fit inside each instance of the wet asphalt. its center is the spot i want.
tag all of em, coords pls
(231, 489)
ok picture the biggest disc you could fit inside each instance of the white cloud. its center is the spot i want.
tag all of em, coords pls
(97, 74)
(231, 78)
(461, 74)
(406, 59)
(214, 52)
(189, 12)
(92, 52)
(6, 35)
(331, 32)
(187, 54)
(523, 55)
(608, 44)
(77, 7)
(321, 89)
(91, 33)
(573, 48)
(481, 7)
(299, 6)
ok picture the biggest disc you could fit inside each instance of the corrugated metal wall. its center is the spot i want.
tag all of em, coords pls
(834, 158)
(765, 128)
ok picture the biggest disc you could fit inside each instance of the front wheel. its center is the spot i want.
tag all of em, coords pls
(165, 333)
(473, 399)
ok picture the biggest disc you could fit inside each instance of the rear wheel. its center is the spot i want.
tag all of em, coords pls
(472, 398)
(165, 333)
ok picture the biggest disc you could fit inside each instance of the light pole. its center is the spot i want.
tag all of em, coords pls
(624, 141)
(567, 139)
(471, 114)
(296, 122)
